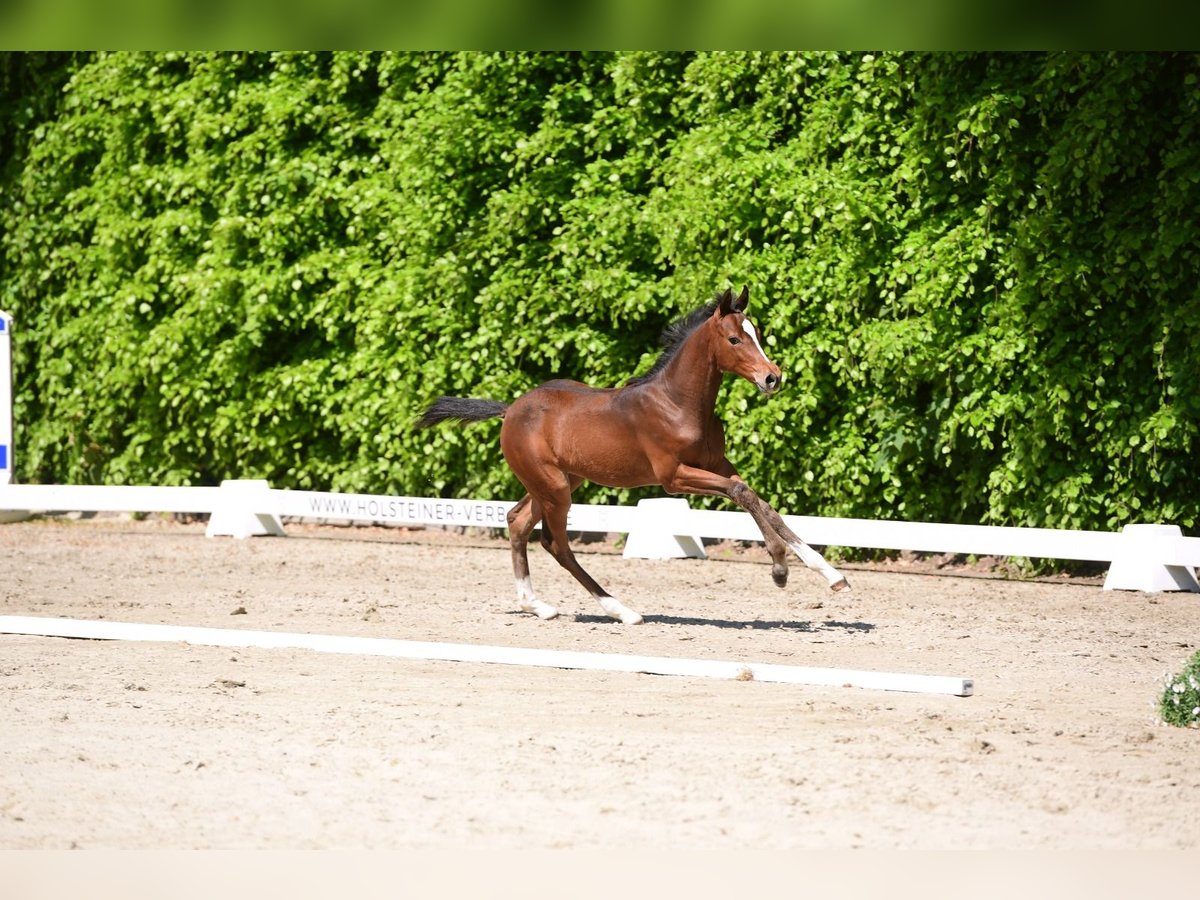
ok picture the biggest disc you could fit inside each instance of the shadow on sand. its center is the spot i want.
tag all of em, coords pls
(753, 624)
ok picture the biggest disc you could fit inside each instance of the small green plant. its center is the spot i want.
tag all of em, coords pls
(1180, 704)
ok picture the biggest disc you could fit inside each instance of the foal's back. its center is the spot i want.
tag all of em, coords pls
(592, 433)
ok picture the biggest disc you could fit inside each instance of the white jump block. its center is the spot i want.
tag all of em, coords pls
(655, 534)
(1137, 566)
(238, 512)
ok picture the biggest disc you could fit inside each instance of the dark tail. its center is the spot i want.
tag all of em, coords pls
(464, 409)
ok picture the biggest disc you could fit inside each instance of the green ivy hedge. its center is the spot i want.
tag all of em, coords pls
(978, 271)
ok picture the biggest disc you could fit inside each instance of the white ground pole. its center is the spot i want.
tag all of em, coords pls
(426, 650)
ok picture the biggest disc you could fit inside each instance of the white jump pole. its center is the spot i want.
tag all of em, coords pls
(426, 650)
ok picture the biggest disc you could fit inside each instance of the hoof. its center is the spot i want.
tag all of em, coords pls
(540, 609)
(617, 610)
(780, 575)
(840, 585)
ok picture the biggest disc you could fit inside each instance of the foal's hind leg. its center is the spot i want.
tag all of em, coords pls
(522, 519)
(554, 539)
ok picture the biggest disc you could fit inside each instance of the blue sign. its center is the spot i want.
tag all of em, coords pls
(3, 456)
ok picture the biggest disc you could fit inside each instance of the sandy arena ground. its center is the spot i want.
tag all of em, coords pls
(131, 745)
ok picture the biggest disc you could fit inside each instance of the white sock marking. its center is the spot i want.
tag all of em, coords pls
(815, 560)
(618, 610)
(530, 603)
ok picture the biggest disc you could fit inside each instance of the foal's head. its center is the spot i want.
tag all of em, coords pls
(737, 344)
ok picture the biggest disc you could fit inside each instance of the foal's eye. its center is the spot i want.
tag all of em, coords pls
(735, 341)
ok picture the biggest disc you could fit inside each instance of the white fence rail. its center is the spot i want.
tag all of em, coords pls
(1141, 557)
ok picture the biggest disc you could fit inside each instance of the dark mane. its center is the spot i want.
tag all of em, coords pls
(673, 337)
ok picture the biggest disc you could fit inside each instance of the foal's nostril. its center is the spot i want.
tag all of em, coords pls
(772, 381)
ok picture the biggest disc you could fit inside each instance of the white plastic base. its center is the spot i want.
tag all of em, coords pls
(1134, 570)
(236, 517)
(654, 537)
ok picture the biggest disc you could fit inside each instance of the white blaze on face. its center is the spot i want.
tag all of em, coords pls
(749, 329)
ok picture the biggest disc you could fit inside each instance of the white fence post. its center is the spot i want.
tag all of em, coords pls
(7, 450)
(6, 399)
(655, 534)
(1138, 566)
(242, 510)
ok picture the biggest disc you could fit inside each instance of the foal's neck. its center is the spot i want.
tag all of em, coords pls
(692, 378)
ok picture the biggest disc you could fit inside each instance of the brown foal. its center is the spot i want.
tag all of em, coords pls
(658, 429)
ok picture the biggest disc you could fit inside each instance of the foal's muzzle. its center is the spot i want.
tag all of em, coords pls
(770, 383)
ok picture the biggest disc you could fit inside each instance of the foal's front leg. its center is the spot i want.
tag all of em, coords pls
(810, 557)
(688, 479)
(776, 546)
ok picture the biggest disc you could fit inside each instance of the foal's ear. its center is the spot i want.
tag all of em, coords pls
(739, 305)
(725, 302)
